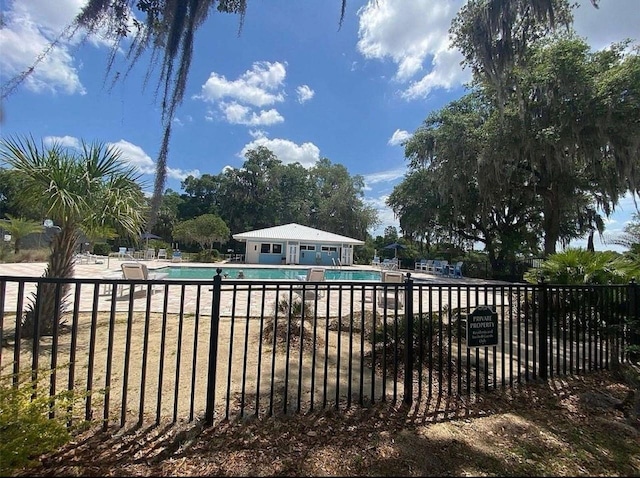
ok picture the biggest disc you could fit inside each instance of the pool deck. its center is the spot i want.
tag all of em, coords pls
(110, 268)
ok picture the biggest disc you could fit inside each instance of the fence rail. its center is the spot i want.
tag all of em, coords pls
(182, 349)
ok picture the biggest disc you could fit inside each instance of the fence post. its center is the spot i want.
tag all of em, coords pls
(408, 340)
(543, 329)
(633, 323)
(213, 347)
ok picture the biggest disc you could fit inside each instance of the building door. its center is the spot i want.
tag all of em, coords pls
(292, 255)
(346, 255)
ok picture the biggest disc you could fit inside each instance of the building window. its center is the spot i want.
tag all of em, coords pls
(266, 248)
(329, 249)
(307, 247)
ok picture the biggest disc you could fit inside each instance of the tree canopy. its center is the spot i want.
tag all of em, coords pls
(536, 165)
(264, 192)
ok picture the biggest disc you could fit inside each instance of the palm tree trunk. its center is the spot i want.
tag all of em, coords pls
(50, 303)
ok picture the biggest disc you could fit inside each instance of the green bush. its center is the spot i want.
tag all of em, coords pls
(26, 431)
(101, 249)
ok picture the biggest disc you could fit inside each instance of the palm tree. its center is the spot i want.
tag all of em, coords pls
(79, 191)
(19, 228)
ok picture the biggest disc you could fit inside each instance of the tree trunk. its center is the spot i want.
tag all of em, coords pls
(551, 219)
(590, 246)
(49, 304)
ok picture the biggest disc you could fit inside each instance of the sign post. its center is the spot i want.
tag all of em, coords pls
(482, 327)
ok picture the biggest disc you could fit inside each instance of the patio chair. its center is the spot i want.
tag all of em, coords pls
(387, 296)
(420, 265)
(122, 251)
(389, 264)
(310, 292)
(442, 268)
(176, 256)
(376, 261)
(162, 254)
(140, 272)
(456, 270)
(81, 258)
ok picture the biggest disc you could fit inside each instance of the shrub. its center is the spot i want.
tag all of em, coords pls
(27, 431)
(101, 249)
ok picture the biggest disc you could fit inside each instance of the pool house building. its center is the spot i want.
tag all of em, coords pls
(297, 244)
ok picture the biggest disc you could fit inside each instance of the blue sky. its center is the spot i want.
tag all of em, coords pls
(291, 81)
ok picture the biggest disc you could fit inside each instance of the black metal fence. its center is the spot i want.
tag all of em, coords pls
(181, 349)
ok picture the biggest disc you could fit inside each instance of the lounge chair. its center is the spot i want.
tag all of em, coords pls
(88, 258)
(420, 265)
(442, 268)
(456, 270)
(176, 256)
(389, 265)
(435, 266)
(311, 291)
(140, 272)
(387, 296)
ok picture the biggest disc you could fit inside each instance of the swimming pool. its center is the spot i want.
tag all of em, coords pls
(185, 272)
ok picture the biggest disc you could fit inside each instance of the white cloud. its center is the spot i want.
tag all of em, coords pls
(409, 34)
(181, 174)
(181, 121)
(398, 137)
(304, 93)
(385, 215)
(391, 175)
(134, 155)
(259, 86)
(67, 141)
(257, 133)
(307, 154)
(446, 73)
(236, 113)
(25, 36)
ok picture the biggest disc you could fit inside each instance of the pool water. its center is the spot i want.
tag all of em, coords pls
(182, 272)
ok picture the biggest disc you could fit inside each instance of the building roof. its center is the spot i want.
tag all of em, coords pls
(296, 232)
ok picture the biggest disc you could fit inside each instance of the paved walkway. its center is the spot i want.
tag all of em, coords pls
(237, 299)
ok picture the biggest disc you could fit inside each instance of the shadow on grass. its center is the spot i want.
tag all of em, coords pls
(574, 426)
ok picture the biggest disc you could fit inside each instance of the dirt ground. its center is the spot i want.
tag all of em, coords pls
(578, 426)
